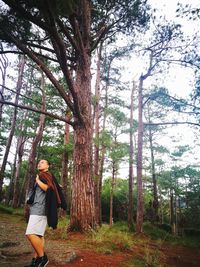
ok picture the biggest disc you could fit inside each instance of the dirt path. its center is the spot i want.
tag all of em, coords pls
(15, 251)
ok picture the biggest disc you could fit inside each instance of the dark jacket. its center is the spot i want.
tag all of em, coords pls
(52, 204)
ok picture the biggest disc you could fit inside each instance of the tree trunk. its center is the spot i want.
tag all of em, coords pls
(97, 182)
(30, 175)
(130, 195)
(111, 194)
(172, 213)
(140, 211)
(82, 206)
(20, 151)
(10, 190)
(103, 148)
(155, 203)
(3, 68)
(13, 124)
(65, 160)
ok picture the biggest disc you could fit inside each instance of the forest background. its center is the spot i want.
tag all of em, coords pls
(108, 92)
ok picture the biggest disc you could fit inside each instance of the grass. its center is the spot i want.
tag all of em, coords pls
(108, 239)
(160, 236)
(10, 210)
(61, 231)
(135, 262)
(153, 258)
(117, 238)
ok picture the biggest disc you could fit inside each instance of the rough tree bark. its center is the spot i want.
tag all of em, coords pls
(82, 205)
(13, 123)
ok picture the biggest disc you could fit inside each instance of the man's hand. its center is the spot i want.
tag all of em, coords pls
(37, 178)
(43, 186)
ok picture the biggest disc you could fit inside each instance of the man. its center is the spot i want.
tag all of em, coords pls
(45, 184)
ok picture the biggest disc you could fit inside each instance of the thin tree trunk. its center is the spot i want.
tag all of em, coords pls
(172, 213)
(30, 175)
(9, 193)
(97, 182)
(111, 194)
(20, 151)
(65, 160)
(13, 124)
(140, 212)
(131, 153)
(3, 68)
(103, 148)
(155, 203)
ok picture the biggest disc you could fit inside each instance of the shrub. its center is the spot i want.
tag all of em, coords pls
(6, 209)
(155, 232)
(192, 232)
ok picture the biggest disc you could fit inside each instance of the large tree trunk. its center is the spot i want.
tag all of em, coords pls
(97, 182)
(13, 124)
(140, 209)
(82, 206)
(130, 191)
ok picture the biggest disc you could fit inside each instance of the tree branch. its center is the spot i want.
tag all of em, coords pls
(44, 68)
(38, 111)
(67, 34)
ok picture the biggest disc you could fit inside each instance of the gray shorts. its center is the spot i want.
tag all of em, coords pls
(36, 225)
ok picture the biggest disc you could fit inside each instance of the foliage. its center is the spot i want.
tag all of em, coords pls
(120, 199)
(155, 233)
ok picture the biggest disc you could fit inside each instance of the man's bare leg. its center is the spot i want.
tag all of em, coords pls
(37, 243)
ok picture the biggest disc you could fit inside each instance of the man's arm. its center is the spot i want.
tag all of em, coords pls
(42, 185)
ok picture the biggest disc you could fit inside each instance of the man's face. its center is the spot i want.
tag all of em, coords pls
(43, 165)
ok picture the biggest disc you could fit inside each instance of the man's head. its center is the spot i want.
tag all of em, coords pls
(43, 165)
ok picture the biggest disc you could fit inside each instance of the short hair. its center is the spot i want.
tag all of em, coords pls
(48, 162)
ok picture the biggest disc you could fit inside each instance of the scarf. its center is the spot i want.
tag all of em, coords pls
(47, 178)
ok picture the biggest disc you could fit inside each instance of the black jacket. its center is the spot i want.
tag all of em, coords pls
(52, 204)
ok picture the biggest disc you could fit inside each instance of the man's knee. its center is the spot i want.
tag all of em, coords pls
(30, 237)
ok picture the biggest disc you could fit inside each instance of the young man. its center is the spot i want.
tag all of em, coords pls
(38, 219)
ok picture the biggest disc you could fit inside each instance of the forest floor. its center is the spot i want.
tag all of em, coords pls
(75, 250)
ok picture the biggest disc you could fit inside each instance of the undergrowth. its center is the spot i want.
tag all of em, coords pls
(108, 239)
(10, 210)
